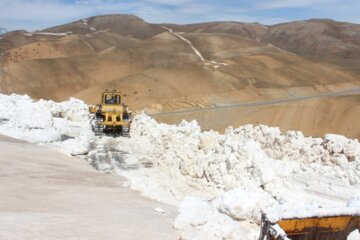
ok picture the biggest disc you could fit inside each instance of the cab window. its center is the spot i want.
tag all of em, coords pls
(112, 99)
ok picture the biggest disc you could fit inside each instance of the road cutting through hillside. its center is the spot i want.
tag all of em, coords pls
(354, 91)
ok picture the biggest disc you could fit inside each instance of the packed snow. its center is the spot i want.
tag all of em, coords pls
(63, 126)
(51, 33)
(221, 182)
(86, 23)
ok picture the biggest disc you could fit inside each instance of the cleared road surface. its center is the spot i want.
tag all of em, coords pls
(353, 91)
(47, 195)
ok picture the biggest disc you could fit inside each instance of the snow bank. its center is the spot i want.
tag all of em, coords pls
(240, 173)
(355, 235)
(244, 204)
(200, 220)
(186, 160)
(64, 126)
(236, 214)
(231, 177)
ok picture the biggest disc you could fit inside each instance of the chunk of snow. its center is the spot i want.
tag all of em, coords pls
(199, 220)
(159, 210)
(355, 235)
(46, 122)
(244, 204)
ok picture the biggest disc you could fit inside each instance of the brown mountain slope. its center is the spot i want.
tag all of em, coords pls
(313, 117)
(325, 38)
(126, 25)
(93, 61)
(160, 69)
(249, 30)
(319, 37)
(319, 40)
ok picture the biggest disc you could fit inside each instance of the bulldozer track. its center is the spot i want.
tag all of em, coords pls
(3, 121)
(105, 157)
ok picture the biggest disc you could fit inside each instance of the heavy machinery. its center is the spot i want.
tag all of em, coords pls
(311, 228)
(111, 116)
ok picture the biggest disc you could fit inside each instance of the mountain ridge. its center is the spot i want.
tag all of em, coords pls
(159, 69)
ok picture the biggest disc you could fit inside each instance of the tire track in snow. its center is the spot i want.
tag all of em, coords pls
(104, 157)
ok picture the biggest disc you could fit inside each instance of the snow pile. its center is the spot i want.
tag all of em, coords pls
(355, 235)
(231, 177)
(233, 215)
(187, 160)
(236, 214)
(200, 220)
(64, 126)
(283, 174)
(244, 204)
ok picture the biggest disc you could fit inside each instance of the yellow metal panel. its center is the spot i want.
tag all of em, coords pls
(93, 109)
(110, 113)
(329, 223)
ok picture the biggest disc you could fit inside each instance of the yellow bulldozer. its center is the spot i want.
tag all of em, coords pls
(111, 116)
(310, 228)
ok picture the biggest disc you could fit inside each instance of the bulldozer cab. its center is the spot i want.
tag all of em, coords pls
(111, 98)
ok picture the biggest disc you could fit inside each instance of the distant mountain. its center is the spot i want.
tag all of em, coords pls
(311, 37)
(317, 37)
(158, 67)
(126, 25)
(250, 30)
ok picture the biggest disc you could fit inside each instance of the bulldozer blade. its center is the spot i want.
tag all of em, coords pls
(311, 228)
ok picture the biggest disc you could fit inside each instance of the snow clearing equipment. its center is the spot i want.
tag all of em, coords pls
(111, 116)
(310, 228)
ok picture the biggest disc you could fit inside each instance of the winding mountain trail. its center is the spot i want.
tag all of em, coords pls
(196, 51)
(213, 63)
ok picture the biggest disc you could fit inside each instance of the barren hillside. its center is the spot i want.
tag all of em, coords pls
(168, 67)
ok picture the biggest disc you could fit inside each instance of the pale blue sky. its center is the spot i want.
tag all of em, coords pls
(38, 14)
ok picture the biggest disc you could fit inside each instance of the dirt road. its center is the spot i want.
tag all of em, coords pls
(353, 91)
